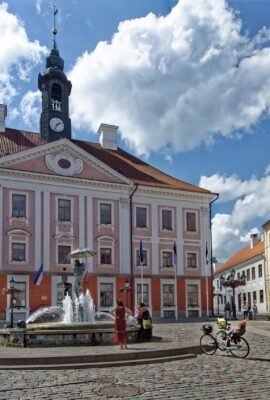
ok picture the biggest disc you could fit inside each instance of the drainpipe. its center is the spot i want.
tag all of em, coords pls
(132, 286)
(211, 252)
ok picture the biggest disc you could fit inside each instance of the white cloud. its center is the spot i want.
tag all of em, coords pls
(174, 82)
(29, 108)
(251, 198)
(18, 55)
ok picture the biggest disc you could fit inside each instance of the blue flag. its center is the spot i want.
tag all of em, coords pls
(174, 254)
(141, 253)
(39, 276)
(206, 254)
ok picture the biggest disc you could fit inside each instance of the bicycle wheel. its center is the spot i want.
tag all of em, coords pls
(239, 349)
(221, 338)
(208, 344)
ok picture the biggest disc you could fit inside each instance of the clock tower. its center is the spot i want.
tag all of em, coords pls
(55, 88)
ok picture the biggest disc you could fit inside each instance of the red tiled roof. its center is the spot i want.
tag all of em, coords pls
(242, 255)
(13, 141)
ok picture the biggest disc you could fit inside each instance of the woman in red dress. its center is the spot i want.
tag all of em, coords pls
(120, 312)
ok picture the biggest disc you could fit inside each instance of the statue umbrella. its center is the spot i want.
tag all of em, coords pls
(82, 252)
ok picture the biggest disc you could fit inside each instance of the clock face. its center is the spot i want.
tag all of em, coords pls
(57, 124)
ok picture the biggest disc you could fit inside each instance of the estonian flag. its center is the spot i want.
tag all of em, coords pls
(206, 254)
(39, 276)
(174, 254)
(141, 253)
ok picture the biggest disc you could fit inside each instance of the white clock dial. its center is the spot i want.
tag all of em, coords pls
(57, 124)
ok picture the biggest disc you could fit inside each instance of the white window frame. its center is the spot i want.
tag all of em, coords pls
(71, 208)
(147, 216)
(106, 280)
(112, 212)
(166, 308)
(197, 259)
(172, 221)
(137, 250)
(196, 221)
(161, 258)
(57, 253)
(146, 281)
(24, 239)
(199, 307)
(11, 193)
(111, 246)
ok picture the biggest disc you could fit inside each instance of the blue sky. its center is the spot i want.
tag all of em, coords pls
(187, 82)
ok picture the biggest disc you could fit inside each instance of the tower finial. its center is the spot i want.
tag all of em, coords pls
(54, 30)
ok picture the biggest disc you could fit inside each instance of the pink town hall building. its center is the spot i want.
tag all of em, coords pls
(150, 232)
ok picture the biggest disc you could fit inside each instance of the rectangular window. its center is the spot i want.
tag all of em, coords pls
(63, 254)
(253, 275)
(260, 271)
(145, 297)
(191, 260)
(254, 296)
(141, 217)
(105, 214)
(18, 252)
(168, 295)
(106, 294)
(19, 295)
(18, 206)
(64, 210)
(106, 255)
(248, 274)
(191, 221)
(166, 220)
(193, 295)
(261, 296)
(144, 258)
(167, 259)
(249, 298)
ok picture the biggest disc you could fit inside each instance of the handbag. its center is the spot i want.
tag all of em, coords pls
(147, 324)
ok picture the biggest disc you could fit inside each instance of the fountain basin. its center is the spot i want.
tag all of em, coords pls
(81, 334)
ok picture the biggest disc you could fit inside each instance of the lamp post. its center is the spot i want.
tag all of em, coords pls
(12, 287)
(127, 288)
(233, 283)
(221, 281)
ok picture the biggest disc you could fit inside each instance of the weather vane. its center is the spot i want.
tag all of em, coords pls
(54, 30)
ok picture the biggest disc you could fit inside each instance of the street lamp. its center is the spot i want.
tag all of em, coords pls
(127, 288)
(12, 287)
(233, 283)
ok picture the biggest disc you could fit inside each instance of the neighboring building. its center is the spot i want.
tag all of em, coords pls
(58, 193)
(248, 263)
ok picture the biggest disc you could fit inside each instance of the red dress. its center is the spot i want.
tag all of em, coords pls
(120, 325)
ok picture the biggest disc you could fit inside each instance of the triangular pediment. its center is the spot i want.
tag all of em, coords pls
(62, 158)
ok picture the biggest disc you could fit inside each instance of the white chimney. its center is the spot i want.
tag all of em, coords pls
(254, 238)
(3, 114)
(107, 136)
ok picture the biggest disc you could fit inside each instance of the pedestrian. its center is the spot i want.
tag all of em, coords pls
(245, 310)
(227, 310)
(145, 321)
(255, 311)
(120, 312)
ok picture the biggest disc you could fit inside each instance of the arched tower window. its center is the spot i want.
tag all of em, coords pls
(56, 97)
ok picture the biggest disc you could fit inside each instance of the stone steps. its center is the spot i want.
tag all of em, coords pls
(121, 358)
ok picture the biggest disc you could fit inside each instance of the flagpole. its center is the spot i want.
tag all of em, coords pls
(175, 279)
(206, 277)
(141, 264)
(176, 302)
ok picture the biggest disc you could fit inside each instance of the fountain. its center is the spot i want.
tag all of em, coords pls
(75, 323)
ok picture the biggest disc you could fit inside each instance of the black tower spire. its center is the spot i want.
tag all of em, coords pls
(55, 88)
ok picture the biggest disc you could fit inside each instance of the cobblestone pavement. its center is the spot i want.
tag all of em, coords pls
(205, 377)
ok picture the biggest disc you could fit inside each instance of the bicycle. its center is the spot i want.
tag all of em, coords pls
(233, 342)
(221, 336)
(208, 342)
